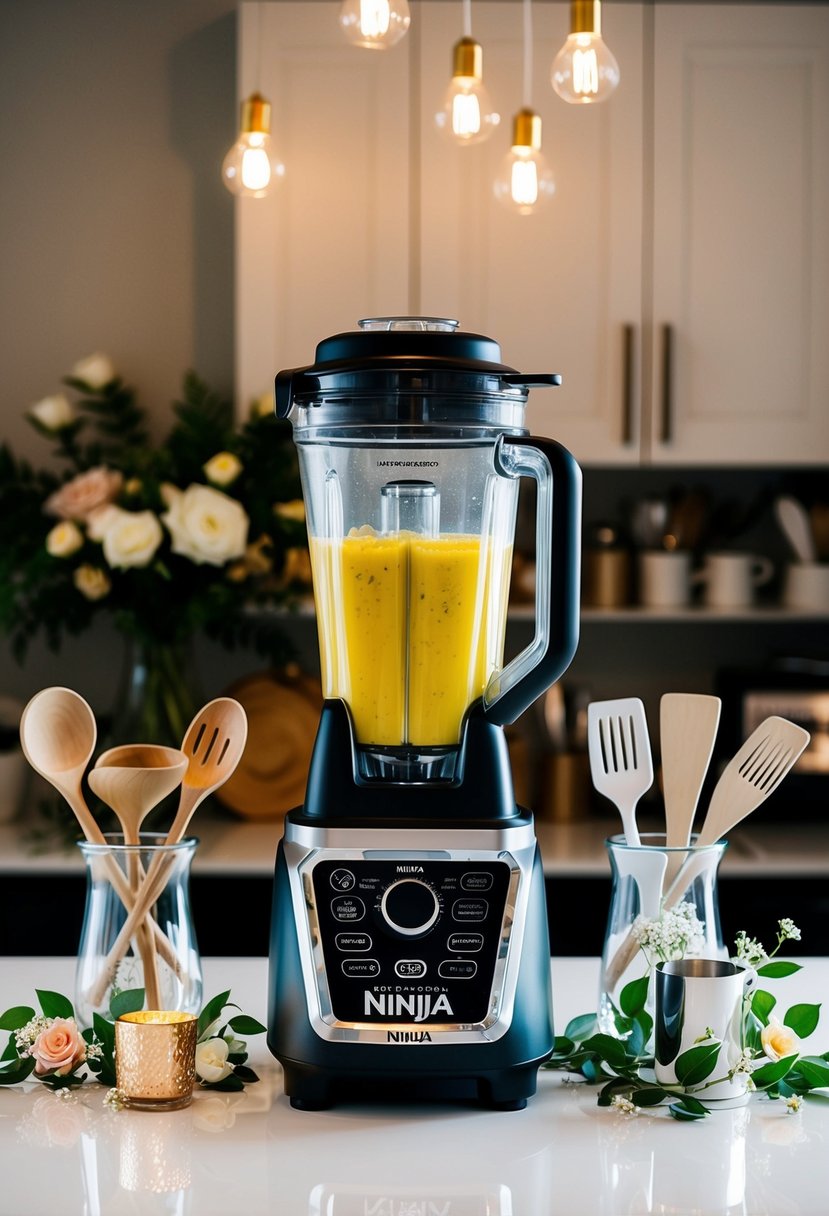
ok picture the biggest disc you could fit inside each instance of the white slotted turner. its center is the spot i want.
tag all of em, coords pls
(621, 766)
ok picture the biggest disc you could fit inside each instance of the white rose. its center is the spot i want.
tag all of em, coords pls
(211, 1060)
(206, 525)
(223, 468)
(64, 539)
(779, 1041)
(131, 538)
(53, 413)
(96, 371)
(92, 582)
(99, 520)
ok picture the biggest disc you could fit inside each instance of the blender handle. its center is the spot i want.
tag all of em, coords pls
(558, 574)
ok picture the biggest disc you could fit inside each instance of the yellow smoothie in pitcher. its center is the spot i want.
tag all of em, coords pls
(411, 646)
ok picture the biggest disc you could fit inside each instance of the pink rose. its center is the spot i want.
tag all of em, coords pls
(84, 494)
(58, 1048)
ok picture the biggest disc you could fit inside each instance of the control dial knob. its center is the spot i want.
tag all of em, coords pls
(409, 907)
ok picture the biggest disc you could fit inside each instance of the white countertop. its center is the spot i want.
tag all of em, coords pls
(251, 1153)
(228, 846)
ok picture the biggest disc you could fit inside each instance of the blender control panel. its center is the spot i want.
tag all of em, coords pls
(409, 941)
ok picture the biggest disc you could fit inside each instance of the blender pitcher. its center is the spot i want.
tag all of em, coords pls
(411, 444)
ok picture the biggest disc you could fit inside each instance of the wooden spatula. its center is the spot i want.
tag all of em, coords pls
(687, 728)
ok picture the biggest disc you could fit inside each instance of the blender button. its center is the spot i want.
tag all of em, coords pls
(342, 880)
(348, 907)
(353, 941)
(470, 909)
(476, 880)
(457, 969)
(360, 968)
(409, 968)
(465, 943)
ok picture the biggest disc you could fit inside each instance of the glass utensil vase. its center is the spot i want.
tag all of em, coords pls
(158, 952)
(673, 888)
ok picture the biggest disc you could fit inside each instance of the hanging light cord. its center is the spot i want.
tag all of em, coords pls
(258, 75)
(467, 18)
(528, 54)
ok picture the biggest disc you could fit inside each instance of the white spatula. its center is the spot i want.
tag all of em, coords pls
(621, 766)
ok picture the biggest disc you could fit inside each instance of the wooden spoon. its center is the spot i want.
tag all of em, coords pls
(132, 780)
(213, 746)
(58, 734)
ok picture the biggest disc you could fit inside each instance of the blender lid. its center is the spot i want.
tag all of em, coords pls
(396, 353)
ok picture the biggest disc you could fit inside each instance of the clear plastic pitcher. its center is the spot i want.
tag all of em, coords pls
(411, 443)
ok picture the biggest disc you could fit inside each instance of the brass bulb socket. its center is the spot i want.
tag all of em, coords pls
(468, 59)
(256, 115)
(526, 130)
(585, 16)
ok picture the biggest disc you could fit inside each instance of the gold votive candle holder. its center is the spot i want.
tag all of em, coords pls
(155, 1058)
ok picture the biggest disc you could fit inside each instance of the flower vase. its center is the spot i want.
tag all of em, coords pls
(159, 694)
(156, 951)
(675, 889)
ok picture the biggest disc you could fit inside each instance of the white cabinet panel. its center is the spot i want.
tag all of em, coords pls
(741, 240)
(331, 244)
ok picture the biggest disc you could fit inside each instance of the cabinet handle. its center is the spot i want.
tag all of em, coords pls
(667, 355)
(627, 383)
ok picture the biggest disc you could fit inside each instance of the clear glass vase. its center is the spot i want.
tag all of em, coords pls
(154, 949)
(159, 694)
(652, 881)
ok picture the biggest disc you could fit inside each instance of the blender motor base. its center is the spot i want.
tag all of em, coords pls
(310, 1089)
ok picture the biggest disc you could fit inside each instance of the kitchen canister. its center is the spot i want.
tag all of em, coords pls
(674, 920)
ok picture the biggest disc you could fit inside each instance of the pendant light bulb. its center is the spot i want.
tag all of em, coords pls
(374, 24)
(252, 167)
(585, 69)
(467, 116)
(525, 182)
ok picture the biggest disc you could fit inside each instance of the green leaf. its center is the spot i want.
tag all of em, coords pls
(607, 1048)
(21, 1070)
(634, 995)
(10, 1051)
(769, 1074)
(694, 1065)
(562, 1046)
(54, 1005)
(581, 1027)
(16, 1017)
(245, 1074)
(212, 1010)
(649, 1095)
(230, 1084)
(778, 970)
(129, 1000)
(762, 1004)
(635, 1042)
(688, 1108)
(608, 1092)
(802, 1019)
(814, 1071)
(105, 1031)
(243, 1024)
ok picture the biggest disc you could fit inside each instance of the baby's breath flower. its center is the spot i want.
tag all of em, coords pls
(793, 1104)
(27, 1035)
(66, 1095)
(94, 1050)
(675, 934)
(788, 930)
(750, 1086)
(115, 1099)
(624, 1105)
(749, 949)
(743, 1064)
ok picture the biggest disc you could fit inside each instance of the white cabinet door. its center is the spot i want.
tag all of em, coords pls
(559, 288)
(741, 234)
(332, 243)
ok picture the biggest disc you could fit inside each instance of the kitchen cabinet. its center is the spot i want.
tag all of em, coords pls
(679, 280)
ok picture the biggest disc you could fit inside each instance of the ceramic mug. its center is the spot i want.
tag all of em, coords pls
(665, 579)
(731, 578)
(806, 585)
(697, 999)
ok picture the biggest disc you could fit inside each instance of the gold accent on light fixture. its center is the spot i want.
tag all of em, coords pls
(526, 129)
(468, 59)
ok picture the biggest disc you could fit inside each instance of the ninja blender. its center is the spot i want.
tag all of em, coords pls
(409, 945)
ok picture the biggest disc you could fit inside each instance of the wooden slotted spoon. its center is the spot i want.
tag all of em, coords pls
(748, 779)
(213, 746)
